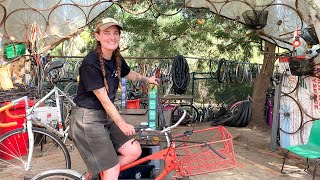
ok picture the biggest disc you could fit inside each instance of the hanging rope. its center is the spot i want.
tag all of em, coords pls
(180, 75)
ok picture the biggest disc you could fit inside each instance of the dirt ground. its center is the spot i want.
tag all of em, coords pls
(253, 154)
(255, 158)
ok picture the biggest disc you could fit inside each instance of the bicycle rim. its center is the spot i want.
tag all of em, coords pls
(291, 116)
(59, 174)
(49, 152)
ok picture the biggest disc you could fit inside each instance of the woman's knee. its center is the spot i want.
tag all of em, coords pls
(131, 148)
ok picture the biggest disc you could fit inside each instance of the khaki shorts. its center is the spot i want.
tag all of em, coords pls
(97, 138)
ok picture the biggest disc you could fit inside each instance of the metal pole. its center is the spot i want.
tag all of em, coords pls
(275, 115)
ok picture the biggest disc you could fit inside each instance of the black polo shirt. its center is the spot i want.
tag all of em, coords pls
(91, 79)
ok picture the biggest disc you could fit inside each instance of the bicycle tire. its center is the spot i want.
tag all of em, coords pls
(288, 110)
(59, 173)
(222, 70)
(14, 153)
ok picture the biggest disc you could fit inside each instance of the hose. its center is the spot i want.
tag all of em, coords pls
(180, 75)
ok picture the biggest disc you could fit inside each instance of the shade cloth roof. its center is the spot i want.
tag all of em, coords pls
(52, 20)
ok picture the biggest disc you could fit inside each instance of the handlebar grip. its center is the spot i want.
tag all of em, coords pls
(10, 124)
(13, 116)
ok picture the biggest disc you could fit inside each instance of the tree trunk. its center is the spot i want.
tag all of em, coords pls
(261, 85)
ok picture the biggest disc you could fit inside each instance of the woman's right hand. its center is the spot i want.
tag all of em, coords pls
(126, 128)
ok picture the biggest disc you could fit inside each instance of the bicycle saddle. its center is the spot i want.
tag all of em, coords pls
(53, 65)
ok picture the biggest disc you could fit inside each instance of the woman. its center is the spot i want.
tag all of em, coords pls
(98, 130)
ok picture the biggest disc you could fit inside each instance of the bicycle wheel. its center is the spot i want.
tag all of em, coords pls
(303, 10)
(49, 152)
(221, 71)
(66, 19)
(22, 19)
(168, 7)
(259, 3)
(136, 6)
(59, 174)
(42, 5)
(291, 117)
(234, 10)
(191, 117)
(282, 21)
(307, 96)
(85, 3)
(3, 14)
(98, 9)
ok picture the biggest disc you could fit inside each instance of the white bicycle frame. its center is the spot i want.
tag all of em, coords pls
(29, 120)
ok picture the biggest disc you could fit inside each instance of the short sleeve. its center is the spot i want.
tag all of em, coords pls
(91, 77)
(125, 69)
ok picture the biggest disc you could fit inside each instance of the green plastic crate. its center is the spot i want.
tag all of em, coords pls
(14, 50)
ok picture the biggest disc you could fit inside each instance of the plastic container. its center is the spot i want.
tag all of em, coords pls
(13, 50)
(133, 104)
(20, 141)
(47, 115)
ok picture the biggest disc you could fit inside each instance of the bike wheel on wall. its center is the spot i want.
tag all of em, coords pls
(3, 14)
(23, 18)
(308, 96)
(291, 115)
(168, 7)
(282, 21)
(259, 3)
(85, 3)
(136, 6)
(303, 10)
(234, 10)
(289, 82)
(42, 5)
(222, 70)
(66, 19)
(98, 9)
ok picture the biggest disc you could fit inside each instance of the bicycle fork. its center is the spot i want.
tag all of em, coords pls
(31, 144)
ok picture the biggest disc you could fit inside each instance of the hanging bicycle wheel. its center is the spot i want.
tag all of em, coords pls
(259, 3)
(42, 5)
(234, 10)
(66, 19)
(291, 115)
(22, 19)
(135, 6)
(85, 3)
(98, 9)
(303, 9)
(222, 70)
(289, 82)
(49, 152)
(3, 14)
(168, 7)
(308, 96)
(282, 21)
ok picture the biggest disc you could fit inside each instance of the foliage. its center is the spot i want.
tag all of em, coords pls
(151, 35)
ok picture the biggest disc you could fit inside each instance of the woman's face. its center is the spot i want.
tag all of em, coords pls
(109, 38)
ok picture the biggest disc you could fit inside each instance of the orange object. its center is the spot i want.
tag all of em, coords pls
(133, 104)
(296, 42)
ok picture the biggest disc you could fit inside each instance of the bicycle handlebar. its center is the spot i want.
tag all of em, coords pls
(6, 108)
(170, 127)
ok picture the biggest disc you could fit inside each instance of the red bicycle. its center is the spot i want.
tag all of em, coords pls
(187, 154)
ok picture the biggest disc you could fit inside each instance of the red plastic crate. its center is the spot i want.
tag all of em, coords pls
(133, 104)
(17, 142)
(197, 157)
